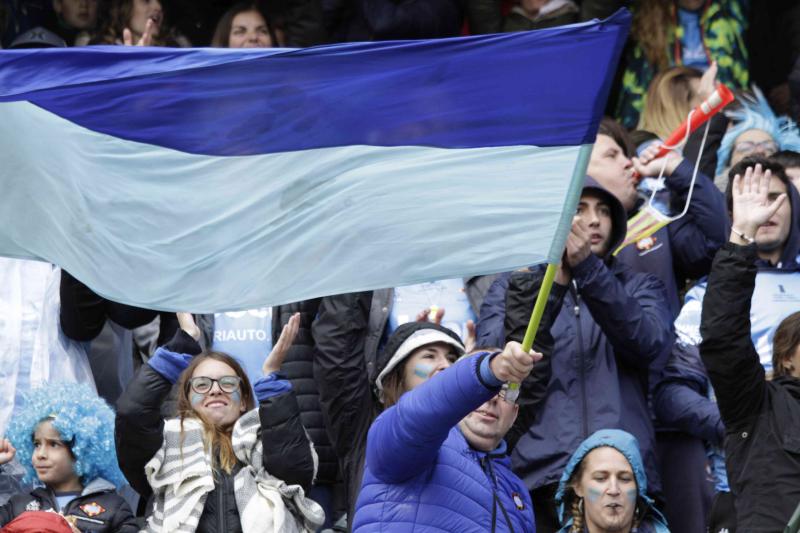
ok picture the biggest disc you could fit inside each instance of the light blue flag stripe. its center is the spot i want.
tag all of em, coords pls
(163, 229)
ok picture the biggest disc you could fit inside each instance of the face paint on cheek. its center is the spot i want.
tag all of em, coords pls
(593, 494)
(236, 397)
(422, 370)
(196, 398)
(631, 495)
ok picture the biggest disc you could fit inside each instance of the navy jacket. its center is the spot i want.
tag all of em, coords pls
(612, 327)
(421, 475)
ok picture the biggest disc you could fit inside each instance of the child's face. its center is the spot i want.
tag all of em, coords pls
(52, 459)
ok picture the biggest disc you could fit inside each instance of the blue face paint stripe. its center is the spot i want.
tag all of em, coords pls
(423, 370)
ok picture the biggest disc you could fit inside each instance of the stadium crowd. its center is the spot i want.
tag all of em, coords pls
(662, 392)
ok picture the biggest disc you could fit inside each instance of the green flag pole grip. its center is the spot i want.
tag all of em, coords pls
(533, 325)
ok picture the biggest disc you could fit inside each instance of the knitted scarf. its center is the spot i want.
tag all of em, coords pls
(181, 477)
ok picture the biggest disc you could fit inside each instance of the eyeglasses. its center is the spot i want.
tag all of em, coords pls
(748, 147)
(203, 384)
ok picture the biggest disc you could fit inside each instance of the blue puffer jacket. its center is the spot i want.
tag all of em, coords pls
(421, 475)
(614, 327)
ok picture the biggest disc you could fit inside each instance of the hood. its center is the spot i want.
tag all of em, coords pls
(619, 219)
(791, 384)
(792, 247)
(623, 442)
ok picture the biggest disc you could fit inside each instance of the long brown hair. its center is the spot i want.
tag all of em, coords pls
(222, 33)
(214, 437)
(652, 20)
(669, 100)
(785, 342)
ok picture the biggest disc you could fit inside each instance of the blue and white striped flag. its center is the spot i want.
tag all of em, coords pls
(210, 180)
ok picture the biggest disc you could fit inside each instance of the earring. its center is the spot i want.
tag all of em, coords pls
(580, 506)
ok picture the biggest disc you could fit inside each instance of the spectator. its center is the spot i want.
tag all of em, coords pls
(350, 397)
(671, 95)
(486, 16)
(142, 22)
(684, 248)
(63, 438)
(37, 37)
(74, 19)
(762, 418)
(247, 336)
(755, 131)
(218, 440)
(612, 327)
(693, 33)
(245, 26)
(604, 487)
(436, 459)
(791, 164)
(689, 434)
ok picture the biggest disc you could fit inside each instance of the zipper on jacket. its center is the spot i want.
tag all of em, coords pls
(581, 366)
(485, 462)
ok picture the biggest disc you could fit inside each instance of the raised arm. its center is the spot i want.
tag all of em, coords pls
(727, 349)
(139, 423)
(405, 439)
(287, 449)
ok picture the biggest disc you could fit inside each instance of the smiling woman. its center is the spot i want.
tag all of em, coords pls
(219, 439)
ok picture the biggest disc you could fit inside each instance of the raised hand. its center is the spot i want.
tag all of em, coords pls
(187, 323)
(647, 165)
(472, 337)
(579, 242)
(7, 451)
(275, 358)
(146, 39)
(431, 314)
(752, 207)
(708, 83)
(513, 364)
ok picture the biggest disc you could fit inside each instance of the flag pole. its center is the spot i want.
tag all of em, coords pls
(556, 250)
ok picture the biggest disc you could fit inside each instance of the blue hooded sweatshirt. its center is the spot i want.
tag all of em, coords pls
(651, 520)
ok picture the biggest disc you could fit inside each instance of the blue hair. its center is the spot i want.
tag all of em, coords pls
(85, 423)
(756, 114)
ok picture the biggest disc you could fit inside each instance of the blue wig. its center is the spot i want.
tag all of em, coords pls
(85, 422)
(756, 114)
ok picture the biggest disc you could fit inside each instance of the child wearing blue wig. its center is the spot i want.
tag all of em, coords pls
(64, 438)
(604, 488)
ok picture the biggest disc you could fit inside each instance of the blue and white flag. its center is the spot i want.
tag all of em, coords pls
(213, 180)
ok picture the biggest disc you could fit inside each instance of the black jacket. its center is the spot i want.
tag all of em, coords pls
(298, 367)
(762, 418)
(99, 509)
(139, 428)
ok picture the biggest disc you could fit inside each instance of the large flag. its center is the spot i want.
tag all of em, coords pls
(210, 180)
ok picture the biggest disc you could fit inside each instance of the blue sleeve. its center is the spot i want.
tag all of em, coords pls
(697, 236)
(680, 399)
(490, 327)
(173, 358)
(405, 439)
(633, 316)
(272, 385)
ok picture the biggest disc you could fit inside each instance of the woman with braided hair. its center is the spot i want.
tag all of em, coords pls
(604, 486)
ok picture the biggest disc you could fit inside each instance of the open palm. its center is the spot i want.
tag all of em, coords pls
(752, 207)
(278, 354)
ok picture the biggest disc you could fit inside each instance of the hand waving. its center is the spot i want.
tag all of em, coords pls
(278, 354)
(147, 36)
(187, 323)
(752, 207)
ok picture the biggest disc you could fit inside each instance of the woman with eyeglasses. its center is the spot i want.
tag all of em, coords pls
(235, 457)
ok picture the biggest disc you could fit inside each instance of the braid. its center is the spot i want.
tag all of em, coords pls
(577, 516)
